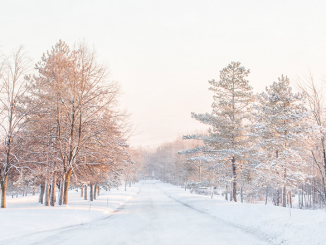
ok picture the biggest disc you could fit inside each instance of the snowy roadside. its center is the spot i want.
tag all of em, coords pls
(25, 216)
(272, 223)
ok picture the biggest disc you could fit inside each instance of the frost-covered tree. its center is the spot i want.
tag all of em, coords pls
(13, 70)
(316, 102)
(281, 130)
(78, 116)
(227, 138)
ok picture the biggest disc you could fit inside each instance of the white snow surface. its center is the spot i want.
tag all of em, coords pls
(153, 212)
(277, 225)
(25, 216)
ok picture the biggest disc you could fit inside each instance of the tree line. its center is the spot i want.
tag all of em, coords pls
(268, 146)
(60, 124)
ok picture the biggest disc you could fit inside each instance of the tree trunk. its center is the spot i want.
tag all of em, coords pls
(61, 192)
(66, 187)
(284, 189)
(302, 196)
(266, 196)
(284, 196)
(241, 194)
(3, 183)
(52, 199)
(46, 201)
(40, 199)
(299, 199)
(82, 192)
(234, 191)
(324, 165)
(91, 192)
(95, 188)
(98, 190)
(279, 194)
(85, 194)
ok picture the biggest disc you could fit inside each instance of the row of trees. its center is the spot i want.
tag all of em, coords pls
(259, 146)
(60, 126)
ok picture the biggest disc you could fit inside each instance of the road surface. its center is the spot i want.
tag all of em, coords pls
(151, 217)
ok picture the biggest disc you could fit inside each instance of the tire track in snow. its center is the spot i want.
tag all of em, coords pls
(205, 211)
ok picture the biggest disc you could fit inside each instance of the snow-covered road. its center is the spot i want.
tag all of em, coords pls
(151, 217)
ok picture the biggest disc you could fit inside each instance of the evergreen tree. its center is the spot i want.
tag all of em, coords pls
(280, 115)
(227, 140)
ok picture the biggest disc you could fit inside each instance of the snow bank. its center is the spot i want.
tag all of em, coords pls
(276, 224)
(24, 215)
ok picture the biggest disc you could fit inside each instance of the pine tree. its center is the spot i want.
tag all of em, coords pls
(280, 115)
(227, 140)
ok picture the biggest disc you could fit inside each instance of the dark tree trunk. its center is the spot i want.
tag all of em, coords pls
(3, 183)
(40, 199)
(284, 196)
(266, 195)
(302, 196)
(234, 173)
(98, 190)
(284, 190)
(95, 188)
(46, 198)
(52, 198)
(66, 187)
(85, 194)
(299, 200)
(61, 191)
(91, 192)
(82, 192)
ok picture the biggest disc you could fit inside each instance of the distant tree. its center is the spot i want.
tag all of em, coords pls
(316, 103)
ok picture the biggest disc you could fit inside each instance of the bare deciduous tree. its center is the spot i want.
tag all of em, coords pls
(12, 90)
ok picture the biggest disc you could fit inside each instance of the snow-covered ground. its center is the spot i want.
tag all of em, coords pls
(153, 212)
(24, 215)
(278, 225)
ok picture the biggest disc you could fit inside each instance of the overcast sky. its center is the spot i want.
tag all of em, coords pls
(164, 52)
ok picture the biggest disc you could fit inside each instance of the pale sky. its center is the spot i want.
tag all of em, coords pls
(164, 52)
